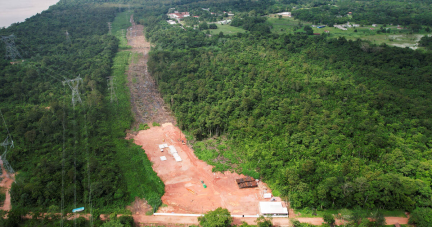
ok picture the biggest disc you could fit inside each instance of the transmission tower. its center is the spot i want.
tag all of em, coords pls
(111, 88)
(74, 86)
(109, 27)
(7, 143)
(11, 50)
(68, 40)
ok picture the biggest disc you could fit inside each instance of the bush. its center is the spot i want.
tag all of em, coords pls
(213, 26)
(422, 217)
(143, 127)
(220, 217)
(155, 124)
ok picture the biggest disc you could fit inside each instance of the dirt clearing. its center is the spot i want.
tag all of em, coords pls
(184, 192)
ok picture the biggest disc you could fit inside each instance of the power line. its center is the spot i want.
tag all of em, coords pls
(11, 50)
(109, 27)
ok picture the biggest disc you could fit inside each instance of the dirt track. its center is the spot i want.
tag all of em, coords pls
(147, 103)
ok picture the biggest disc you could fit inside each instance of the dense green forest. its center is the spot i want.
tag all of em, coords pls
(64, 149)
(327, 123)
(330, 123)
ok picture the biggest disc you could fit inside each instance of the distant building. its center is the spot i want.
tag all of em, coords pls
(208, 9)
(196, 16)
(372, 29)
(374, 25)
(349, 13)
(224, 22)
(230, 14)
(171, 22)
(316, 33)
(356, 25)
(326, 31)
(178, 16)
(285, 14)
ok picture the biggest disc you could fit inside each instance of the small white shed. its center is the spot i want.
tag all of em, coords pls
(267, 195)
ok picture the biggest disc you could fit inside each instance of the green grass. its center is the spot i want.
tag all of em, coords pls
(155, 124)
(141, 180)
(308, 212)
(2, 196)
(119, 28)
(226, 29)
(143, 127)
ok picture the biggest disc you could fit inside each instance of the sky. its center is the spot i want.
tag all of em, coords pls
(12, 11)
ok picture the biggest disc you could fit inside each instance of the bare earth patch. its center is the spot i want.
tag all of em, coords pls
(184, 192)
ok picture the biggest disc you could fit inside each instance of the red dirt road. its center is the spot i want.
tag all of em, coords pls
(175, 220)
(184, 192)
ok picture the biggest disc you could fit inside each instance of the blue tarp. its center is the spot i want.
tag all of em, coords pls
(77, 209)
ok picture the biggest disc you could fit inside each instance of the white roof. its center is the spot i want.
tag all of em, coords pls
(177, 157)
(172, 149)
(267, 195)
(272, 208)
(163, 158)
(161, 146)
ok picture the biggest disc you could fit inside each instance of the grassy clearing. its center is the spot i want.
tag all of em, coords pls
(119, 28)
(135, 166)
(227, 30)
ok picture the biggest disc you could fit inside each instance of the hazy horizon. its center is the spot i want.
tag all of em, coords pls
(17, 11)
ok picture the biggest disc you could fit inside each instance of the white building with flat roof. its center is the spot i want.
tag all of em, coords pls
(273, 209)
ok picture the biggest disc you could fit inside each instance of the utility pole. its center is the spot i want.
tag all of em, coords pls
(74, 86)
(68, 40)
(111, 88)
(11, 50)
(7, 143)
(109, 27)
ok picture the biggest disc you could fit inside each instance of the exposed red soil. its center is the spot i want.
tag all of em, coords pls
(184, 192)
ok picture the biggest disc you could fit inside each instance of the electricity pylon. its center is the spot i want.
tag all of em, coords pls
(68, 40)
(11, 50)
(7, 143)
(109, 27)
(74, 86)
(111, 88)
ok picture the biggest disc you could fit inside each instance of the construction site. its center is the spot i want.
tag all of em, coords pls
(190, 185)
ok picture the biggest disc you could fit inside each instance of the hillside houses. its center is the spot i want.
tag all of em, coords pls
(178, 15)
